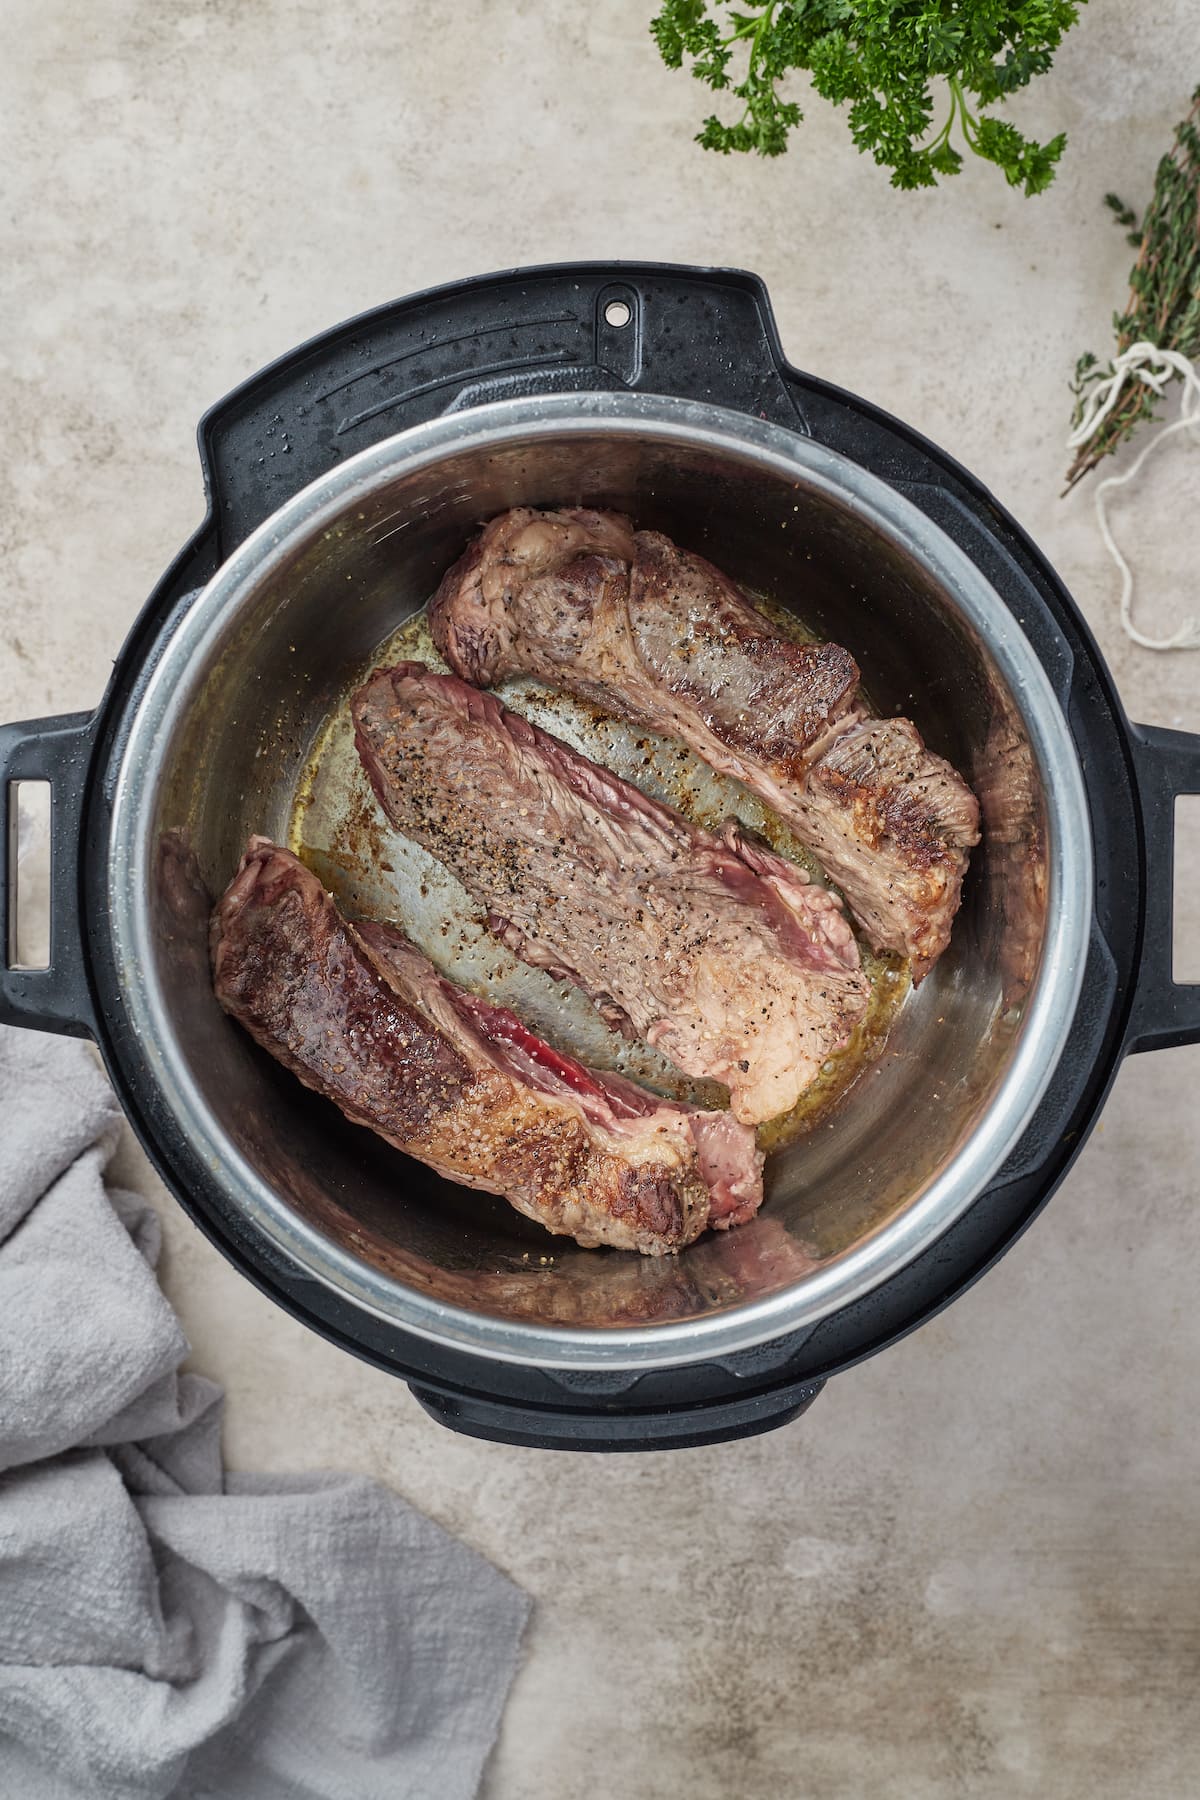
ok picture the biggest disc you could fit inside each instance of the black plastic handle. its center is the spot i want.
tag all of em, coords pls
(58, 751)
(680, 1428)
(1165, 1011)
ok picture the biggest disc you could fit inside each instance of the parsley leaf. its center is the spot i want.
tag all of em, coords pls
(890, 62)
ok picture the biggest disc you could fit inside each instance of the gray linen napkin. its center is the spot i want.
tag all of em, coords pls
(167, 1629)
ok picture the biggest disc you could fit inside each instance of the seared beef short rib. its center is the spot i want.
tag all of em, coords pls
(361, 1016)
(654, 633)
(717, 952)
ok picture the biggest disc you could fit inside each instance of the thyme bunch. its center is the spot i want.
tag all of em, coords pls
(1163, 307)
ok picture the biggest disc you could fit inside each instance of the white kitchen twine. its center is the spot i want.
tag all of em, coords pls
(1143, 362)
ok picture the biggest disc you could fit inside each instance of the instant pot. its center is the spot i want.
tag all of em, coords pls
(341, 483)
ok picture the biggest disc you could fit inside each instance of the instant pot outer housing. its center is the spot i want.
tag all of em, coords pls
(341, 482)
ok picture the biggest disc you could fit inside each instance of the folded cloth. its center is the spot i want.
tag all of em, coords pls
(167, 1629)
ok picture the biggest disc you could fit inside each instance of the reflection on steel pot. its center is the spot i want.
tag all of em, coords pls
(686, 417)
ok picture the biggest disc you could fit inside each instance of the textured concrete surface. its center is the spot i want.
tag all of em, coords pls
(973, 1569)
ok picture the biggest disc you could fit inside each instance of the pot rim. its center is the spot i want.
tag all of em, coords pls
(873, 1260)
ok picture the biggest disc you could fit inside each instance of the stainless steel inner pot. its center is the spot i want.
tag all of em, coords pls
(219, 748)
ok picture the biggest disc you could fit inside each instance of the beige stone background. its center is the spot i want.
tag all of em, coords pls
(974, 1569)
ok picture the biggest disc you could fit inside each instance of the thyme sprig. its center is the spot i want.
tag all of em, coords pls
(1163, 307)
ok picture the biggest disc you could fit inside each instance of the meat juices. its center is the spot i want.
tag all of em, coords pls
(716, 951)
(658, 635)
(362, 1017)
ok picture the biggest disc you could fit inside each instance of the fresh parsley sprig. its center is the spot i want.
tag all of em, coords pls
(884, 59)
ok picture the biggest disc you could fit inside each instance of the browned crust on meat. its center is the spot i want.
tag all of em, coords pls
(880, 814)
(671, 642)
(877, 789)
(801, 688)
(586, 552)
(675, 935)
(309, 990)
